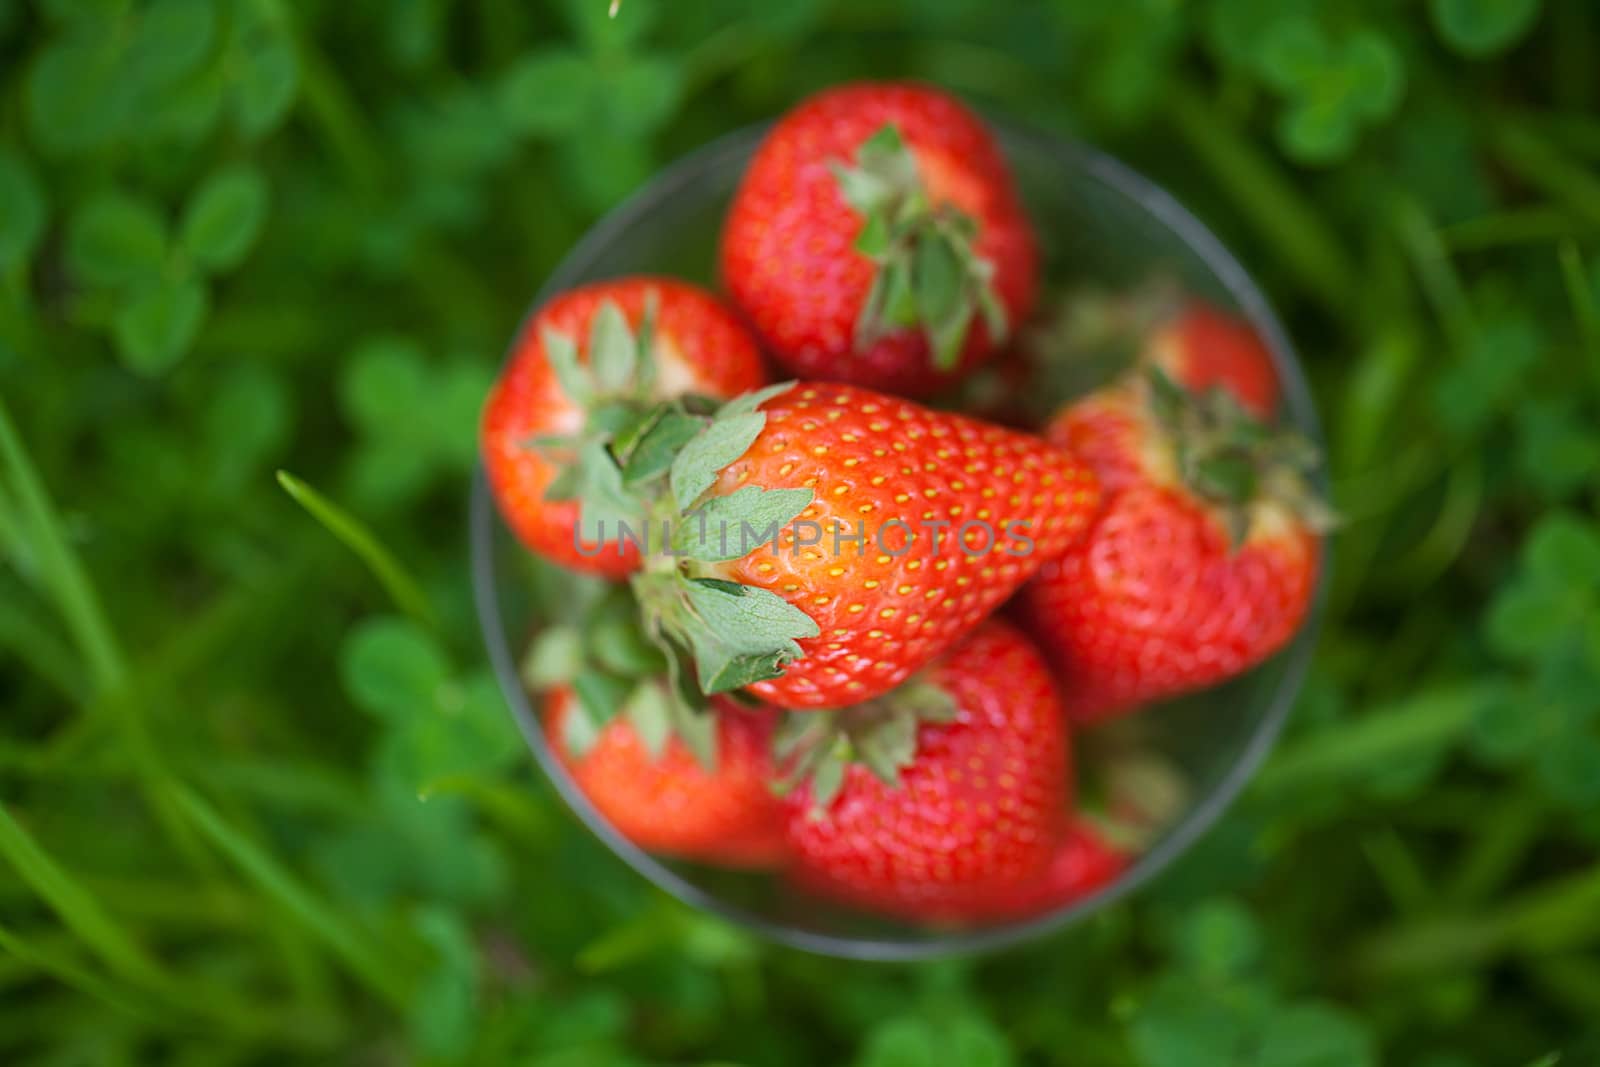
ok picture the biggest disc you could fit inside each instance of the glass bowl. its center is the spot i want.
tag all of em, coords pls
(1111, 227)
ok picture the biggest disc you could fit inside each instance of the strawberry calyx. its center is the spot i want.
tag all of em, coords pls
(1088, 337)
(1132, 798)
(928, 271)
(733, 634)
(1232, 460)
(881, 734)
(615, 671)
(613, 392)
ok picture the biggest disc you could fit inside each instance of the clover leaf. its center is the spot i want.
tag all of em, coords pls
(1333, 87)
(416, 416)
(1478, 28)
(1545, 623)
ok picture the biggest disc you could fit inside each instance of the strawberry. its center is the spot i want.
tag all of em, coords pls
(1089, 338)
(834, 540)
(877, 238)
(1202, 562)
(653, 789)
(960, 799)
(575, 374)
(1084, 862)
(1203, 347)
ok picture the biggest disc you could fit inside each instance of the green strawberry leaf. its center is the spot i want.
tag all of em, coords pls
(601, 696)
(649, 710)
(609, 417)
(875, 238)
(653, 456)
(886, 155)
(937, 273)
(554, 658)
(613, 353)
(615, 640)
(605, 503)
(728, 527)
(700, 460)
(826, 781)
(738, 634)
(564, 486)
(626, 436)
(562, 353)
(889, 747)
(745, 403)
(880, 734)
(696, 727)
(925, 701)
(927, 272)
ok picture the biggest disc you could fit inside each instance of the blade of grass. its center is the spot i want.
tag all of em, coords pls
(1446, 537)
(512, 806)
(40, 650)
(77, 907)
(1398, 871)
(1377, 738)
(402, 588)
(78, 603)
(1435, 270)
(1580, 291)
(1515, 226)
(1285, 221)
(1541, 164)
(333, 112)
(1572, 978)
(74, 596)
(362, 958)
(1497, 848)
(1560, 915)
(70, 973)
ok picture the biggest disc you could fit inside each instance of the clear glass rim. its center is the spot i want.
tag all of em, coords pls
(724, 152)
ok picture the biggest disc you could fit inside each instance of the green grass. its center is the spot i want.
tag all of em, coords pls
(259, 800)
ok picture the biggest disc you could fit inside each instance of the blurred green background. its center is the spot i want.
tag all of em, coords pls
(252, 811)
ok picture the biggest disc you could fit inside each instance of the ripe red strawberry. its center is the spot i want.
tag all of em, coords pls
(878, 239)
(667, 801)
(555, 387)
(1084, 863)
(949, 817)
(844, 581)
(1203, 347)
(1202, 562)
(1088, 338)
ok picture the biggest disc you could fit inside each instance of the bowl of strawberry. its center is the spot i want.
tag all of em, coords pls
(899, 532)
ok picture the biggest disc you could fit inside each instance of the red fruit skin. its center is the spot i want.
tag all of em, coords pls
(1205, 348)
(978, 814)
(1155, 601)
(871, 458)
(787, 256)
(1084, 863)
(700, 347)
(672, 805)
